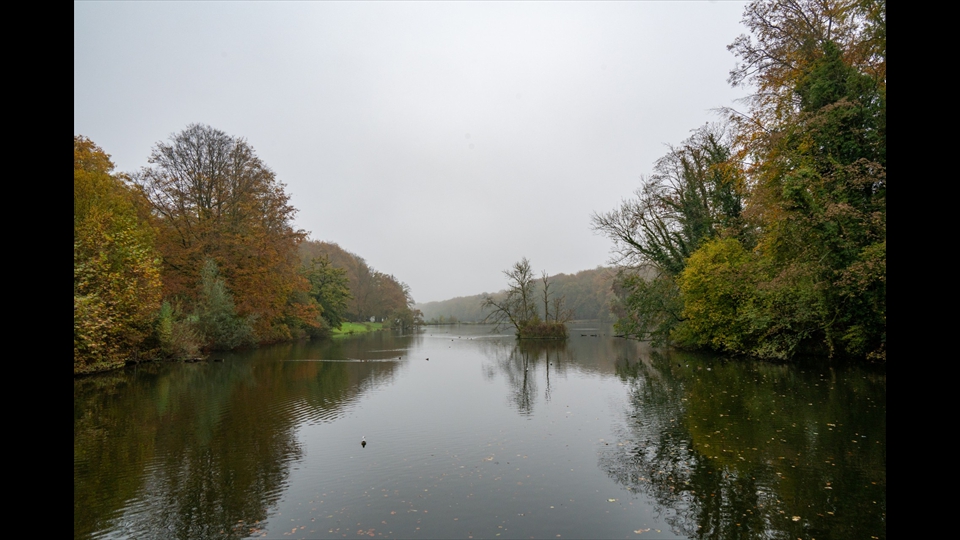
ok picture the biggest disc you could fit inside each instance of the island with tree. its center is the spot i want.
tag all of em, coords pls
(518, 305)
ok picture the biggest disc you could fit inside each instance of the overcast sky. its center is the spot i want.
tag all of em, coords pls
(441, 141)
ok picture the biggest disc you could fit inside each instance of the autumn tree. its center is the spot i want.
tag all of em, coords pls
(789, 255)
(786, 37)
(818, 178)
(338, 257)
(815, 138)
(372, 293)
(213, 198)
(696, 193)
(116, 270)
(390, 296)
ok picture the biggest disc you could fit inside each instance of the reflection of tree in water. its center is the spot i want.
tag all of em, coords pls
(736, 450)
(201, 450)
(382, 345)
(521, 363)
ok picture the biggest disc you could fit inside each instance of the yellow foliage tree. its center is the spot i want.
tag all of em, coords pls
(116, 270)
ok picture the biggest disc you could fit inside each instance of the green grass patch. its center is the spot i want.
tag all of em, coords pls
(353, 328)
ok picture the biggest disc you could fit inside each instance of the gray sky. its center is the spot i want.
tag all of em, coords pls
(441, 141)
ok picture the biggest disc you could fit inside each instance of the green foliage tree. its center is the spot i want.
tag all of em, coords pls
(816, 139)
(788, 254)
(330, 287)
(405, 318)
(695, 194)
(176, 332)
(372, 293)
(116, 270)
(647, 304)
(216, 316)
(820, 203)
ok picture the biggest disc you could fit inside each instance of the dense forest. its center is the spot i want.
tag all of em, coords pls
(196, 252)
(765, 234)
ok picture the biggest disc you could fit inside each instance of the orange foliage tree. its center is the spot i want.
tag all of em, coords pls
(214, 199)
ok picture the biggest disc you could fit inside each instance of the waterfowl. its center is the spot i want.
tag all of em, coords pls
(363, 442)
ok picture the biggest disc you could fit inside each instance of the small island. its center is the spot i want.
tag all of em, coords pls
(517, 306)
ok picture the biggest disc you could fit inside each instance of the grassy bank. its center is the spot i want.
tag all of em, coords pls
(352, 328)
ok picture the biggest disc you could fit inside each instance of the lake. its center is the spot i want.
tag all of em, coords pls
(471, 434)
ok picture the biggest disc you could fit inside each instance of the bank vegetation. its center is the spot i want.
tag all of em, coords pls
(197, 252)
(765, 234)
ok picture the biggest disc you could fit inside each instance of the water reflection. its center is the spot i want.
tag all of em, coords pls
(592, 437)
(530, 364)
(204, 450)
(754, 450)
(521, 362)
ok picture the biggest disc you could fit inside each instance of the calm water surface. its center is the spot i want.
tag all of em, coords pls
(596, 438)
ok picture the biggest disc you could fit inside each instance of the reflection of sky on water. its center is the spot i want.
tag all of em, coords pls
(595, 437)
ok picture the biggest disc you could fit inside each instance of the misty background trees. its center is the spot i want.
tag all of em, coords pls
(518, 306)
(587, 294)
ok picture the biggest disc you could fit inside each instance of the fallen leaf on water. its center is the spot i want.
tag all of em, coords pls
(611, 500)
(641, 531)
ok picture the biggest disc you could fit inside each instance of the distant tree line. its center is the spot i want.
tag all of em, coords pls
(373, 294)
(519, 305)
(197, 252)
(765, 234)
(587, 295)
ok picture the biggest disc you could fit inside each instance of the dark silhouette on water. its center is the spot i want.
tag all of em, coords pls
(363, 442)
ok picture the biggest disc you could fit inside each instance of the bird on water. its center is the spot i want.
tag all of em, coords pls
(363, 442)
